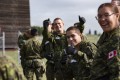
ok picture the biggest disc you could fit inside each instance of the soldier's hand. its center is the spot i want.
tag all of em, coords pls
(71, 50)
(46, 23)
(48, 56)
(82, 20)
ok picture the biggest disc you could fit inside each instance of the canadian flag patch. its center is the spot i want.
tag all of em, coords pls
(112, 54)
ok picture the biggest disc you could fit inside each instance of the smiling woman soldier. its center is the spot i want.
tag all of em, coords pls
(106, 63)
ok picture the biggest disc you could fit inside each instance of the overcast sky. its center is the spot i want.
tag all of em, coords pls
(68, 10)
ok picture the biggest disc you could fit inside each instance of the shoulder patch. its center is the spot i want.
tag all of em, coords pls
(112, 54)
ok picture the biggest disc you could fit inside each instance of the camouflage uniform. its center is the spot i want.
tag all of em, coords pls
(54, 50)
(106, 64)
(21, 41)
(9, 70)
(33, 58)
(80, 63)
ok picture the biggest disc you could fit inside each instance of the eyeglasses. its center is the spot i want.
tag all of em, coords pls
(106, 15)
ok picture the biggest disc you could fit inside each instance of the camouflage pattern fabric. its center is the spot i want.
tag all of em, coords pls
(79, 66)
(9, 70)
(21, 41)
(54, 50)
(88, 48)
(31, 49)
(106, 64)
(81, 62)
(33, 58)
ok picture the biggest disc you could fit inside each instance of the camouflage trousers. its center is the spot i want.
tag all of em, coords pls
(54, 72)
(34, 66)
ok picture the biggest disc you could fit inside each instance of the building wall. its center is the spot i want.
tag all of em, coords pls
(14, 17)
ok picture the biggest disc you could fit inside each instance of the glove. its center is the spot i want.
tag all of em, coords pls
(71, 50)
(82, 20)
(48, 56)
(46, 23)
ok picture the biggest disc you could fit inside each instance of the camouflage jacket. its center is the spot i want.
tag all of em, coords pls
(83, 58)
(88, 48)
(31, 49)
(83, 64)
(21, 40)
(55, 46)
(9, 70)
(106, 64)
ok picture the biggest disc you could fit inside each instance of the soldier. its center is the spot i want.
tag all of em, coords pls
(33, 58)
(54, 50)
(80, 54)
(9, 70)
(22, 38)
(106, 63)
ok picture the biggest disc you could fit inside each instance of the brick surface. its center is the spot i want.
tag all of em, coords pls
(14, 17)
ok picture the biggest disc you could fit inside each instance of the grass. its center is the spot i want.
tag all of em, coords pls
(14, 52)
(93, 38)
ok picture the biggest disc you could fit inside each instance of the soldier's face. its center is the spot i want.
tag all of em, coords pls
(58, 26)
(107, 19)
(116, 2)
(73, 38)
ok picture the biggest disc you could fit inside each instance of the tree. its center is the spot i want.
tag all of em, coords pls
(40, 29)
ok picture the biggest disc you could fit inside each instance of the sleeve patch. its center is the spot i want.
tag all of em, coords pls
(112, 54)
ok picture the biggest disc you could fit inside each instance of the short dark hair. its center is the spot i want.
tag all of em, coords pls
(34, 32)
(76, 29)
(57, 19)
